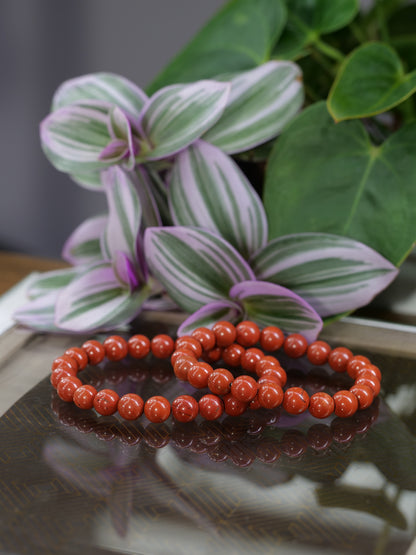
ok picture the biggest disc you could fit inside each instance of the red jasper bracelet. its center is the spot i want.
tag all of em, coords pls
(235, 345)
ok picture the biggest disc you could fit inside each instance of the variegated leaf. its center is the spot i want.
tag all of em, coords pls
(209, 314)
(179, 114)
(262, 101)
(269, 304)
(120, 130)
(196, 267)
(144, 187)
(83, 245)
(49, 282)
(208, 190)
(73, 138)
(334, 274)
(39, 313)
(107, 87)
(124, 215)
(95, 300)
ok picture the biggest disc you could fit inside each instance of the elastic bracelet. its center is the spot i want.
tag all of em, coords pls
(235, 345)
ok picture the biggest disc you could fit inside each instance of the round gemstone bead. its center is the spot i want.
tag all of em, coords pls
(295, 400)
(157, 409)
(370, 380)
(67, 386)
(233, 406)
(206, 338)
(318, 352)
(115, 347)
(232, 355)
(199, 373)
(219, 382)
(346, 403)
(138, 346)
(270, 395)
(162, 346)
(210, 407)
(84, 397)
(265, 363)
(190, 343)
(213, 355)
(295, 345)
(356, 363)
(321, 405)
(369, 369)
(182, 366)
(60, 373)
(130, 406)
(225, 333)
(244, 388)
(271, 338)
(276, 374)
(95, 351)
(79, 355)
(248, 333)
(250, 358)
(339, 359)
(185, 408)
(105, 402)
(364, 394)
(65, 361)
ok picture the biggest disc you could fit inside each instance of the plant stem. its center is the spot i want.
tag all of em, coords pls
(323, 62)
(329, 50)
(381, 21)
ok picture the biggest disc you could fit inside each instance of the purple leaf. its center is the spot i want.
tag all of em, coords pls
(196, 267)
(209, 190)
(116, 150)
(83, 245)
(334, 274)
(268, 304)
(209, 314)
(125, 270)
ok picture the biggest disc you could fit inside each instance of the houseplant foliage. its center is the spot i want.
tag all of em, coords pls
(267, 173)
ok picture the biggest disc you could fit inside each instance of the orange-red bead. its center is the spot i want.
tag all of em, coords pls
(60, 373)
(276, 374)
(182, 366)
(190, 343)
(185, 408)
(162, 346)
(105, 402)
(130, 406)
(346, 403)
(157, 409)
(219, 382)
(244, 388)
(206, 337)
(213, 355)
(115, 347)
(318, 352)
(233, 406)
(248, 333)
(95, 351)
(199, 373)
(364, 394)
(370, 369)
(295, 345)
(67, 386)
(232, 355)
(84, 397)
(356, 363)
(138, 346)
(339, 359)
(266, 363)
(250, 358)
(368, 379)
(65, 361)
(270, 395)
(210, 407)
(295, 400)
(271, 338)
(321, 405)
(225, 333)
(79, 355)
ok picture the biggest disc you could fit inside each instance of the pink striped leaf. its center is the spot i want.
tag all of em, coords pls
(39, 313)
(211, 313)
(83, 245)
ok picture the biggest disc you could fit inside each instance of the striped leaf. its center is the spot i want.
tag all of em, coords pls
(268, 304)
(90, 179)
(49, 282)
(106, 87)
(96, 301)
(145, 190)
(209, 314)
(209, 190)
(334, 274)
(124, 216)
(83, 245)
(261, 102)
(179, 114)
(73, 138)
(196, 267)
(39, 313)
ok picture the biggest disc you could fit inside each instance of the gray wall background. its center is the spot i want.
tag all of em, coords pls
(44, 42)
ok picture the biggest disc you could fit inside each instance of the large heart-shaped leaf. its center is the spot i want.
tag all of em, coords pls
(261, 102)
(95, 300)
(370, 81)
(195, 266)
(209, 190)
(269, 304)
(83, 245)
(239, 37)
(107, 87)
(328, 177)
(334, 274)
(179, 114)
(307, 20)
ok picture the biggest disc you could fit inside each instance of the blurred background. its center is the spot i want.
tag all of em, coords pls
(43, 43)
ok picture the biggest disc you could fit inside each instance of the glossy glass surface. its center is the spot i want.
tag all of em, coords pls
(265, 482)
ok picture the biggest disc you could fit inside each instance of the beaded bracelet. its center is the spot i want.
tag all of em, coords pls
(229, 393)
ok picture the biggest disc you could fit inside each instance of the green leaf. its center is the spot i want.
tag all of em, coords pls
(370, 81)
(344, 184)
(239, 37)
(308, 19)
